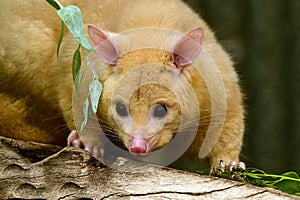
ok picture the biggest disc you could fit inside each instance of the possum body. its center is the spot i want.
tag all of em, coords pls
(36, 88)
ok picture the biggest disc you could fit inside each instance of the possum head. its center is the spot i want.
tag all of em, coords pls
(144, 98)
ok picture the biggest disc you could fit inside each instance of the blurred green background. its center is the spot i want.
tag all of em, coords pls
(263, 37)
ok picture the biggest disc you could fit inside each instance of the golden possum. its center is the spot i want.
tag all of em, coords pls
(36, 88)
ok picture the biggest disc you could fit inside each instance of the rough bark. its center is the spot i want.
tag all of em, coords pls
(28, 172)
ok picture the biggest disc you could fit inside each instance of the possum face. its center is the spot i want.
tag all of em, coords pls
(149, 120)
(144, 104)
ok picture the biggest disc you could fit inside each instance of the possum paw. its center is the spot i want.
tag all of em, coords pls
(232, 171)
(74, 139)
(222, 167)
(95, 148)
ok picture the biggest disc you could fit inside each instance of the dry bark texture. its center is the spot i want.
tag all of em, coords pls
(28, 172)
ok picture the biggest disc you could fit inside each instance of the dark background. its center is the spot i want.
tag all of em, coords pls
(263, 37)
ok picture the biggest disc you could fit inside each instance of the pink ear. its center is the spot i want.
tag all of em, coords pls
(188, 48)
(103, 46)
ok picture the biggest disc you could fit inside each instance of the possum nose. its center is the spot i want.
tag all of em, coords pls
(139, 145)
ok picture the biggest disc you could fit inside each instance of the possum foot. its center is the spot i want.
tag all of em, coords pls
(74, 140)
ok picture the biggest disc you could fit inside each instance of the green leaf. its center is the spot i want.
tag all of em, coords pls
(53, 4)
(288, 186)
(289, 183)
(291, 175)
(62, 30)
(85, 114)
(95, 89)
(72, 17)
(76, 64)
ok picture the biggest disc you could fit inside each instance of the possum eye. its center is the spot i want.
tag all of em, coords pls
(160, 111)
(121, 110)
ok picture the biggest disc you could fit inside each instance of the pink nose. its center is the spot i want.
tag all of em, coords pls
(139, 145)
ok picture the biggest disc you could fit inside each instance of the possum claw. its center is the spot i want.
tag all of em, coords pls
(96, 151)
(234, 164)
(74, 139)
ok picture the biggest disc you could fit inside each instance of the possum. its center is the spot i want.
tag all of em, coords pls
(36, 87)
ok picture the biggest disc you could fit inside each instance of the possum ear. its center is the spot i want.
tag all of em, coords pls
(188, 48)
(105, 49)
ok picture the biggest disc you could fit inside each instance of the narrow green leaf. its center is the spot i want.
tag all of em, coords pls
(76, 64)
(85, 114)
(72, 17)
(62, 30)
(95, 89)
(69, 108)
(255, 171)
(53, 4)
(255, 176)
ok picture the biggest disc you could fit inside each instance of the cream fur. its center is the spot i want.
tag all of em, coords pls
(36, 87)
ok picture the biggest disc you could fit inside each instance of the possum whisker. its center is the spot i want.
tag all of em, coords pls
(58, 128)
(213, 115)
(199, 123)
(203, 124)
(113, 136)
(59, 116)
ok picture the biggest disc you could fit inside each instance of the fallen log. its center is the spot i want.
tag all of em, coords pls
(37, 171)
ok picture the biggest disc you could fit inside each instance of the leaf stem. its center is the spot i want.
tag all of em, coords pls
(59, 4)
(90, 64)
(272, 176)
(60, 38)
